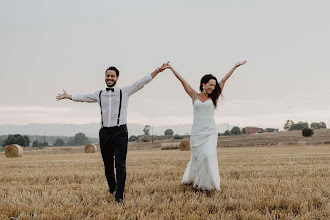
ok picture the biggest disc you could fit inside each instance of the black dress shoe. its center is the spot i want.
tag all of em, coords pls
(119, 200)
(112, 192)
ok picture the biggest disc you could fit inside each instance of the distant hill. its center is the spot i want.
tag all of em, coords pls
(92, 130)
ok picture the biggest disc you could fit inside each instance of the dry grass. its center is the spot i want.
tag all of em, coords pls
(256, 183)
(320, 137)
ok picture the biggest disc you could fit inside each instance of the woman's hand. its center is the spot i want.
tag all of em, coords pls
(240, 63)
(168, 65)
(164, 67)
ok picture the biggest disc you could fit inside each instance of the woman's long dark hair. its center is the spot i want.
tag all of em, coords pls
(217, 90)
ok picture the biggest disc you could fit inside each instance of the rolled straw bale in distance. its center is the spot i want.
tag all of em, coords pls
(13, 150)
(169, 146)
(185, 146)
(90, 148)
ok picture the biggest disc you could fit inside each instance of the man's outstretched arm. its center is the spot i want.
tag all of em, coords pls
(78, 98)
(145, 80)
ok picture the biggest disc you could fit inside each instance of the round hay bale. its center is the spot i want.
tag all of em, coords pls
(169, 146)
(13, 150)
(90, 148)
(185, 146)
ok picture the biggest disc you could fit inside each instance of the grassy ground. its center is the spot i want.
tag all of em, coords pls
(293, 138)
(321, 136)
(256, 183)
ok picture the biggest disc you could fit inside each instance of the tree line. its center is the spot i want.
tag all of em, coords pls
(146, 132)
(23, 140)
(234, 131)
(307, 130)
(291, 126)
(169, 132)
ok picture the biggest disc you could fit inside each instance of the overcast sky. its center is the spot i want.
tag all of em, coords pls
(47, 46)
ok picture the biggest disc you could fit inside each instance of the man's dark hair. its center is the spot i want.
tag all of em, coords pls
(114, 69)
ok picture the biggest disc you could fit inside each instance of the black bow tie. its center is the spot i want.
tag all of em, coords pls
(111, 89)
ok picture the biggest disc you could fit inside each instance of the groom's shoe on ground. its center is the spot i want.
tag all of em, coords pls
(112, 192)
(119, 200)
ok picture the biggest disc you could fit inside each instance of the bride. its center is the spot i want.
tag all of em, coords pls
(202, 170)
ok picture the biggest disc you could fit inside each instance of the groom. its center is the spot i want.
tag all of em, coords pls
(113, 134)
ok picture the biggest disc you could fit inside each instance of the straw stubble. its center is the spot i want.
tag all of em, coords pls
(256, 183)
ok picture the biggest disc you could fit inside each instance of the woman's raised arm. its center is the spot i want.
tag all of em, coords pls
(224, 79)
(191, 92)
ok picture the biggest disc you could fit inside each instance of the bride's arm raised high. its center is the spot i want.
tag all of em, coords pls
(190, 91)
(224, 79)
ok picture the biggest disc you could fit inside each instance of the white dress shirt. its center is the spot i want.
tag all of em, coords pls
(110, 101)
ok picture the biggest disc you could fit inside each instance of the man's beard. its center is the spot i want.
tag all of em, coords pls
(114, 83)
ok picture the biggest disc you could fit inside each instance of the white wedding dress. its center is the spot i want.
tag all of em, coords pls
(202, 170)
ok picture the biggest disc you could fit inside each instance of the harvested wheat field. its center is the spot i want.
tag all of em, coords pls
(320, 137)
(256, 183)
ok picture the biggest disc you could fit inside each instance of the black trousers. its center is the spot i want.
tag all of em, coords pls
(113, 144)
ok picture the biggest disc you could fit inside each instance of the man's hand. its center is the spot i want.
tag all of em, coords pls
(164, 67)
(65, 95)
(160, 69)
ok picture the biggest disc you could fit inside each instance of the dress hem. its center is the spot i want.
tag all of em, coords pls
(200, 187)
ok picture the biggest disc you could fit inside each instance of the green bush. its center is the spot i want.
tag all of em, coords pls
(59, 142)
(307, 132)
(320, 125)
(79, 139)
(299, 126)
(178, 137)
(17, 139)
(235, 131)
(227, 133)
(132, 138)
(168, 132)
